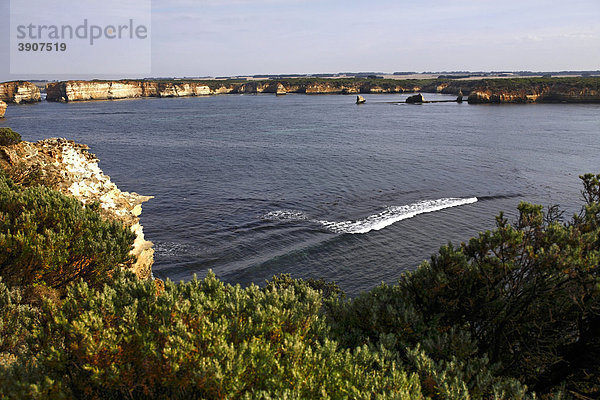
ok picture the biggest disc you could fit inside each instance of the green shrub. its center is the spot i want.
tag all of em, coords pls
(17, 320)
(200, 339)
(446, 359)
(329, 290)
(51, 239)
(8, 137)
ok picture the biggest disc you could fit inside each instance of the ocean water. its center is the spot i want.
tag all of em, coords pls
(256, 185)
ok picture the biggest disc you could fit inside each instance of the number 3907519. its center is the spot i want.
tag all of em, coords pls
(42, 46)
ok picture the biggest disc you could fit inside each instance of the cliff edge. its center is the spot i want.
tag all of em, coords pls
(536, 90)
(18, 92)
(68, 167)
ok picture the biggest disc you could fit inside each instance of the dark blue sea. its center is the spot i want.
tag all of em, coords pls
(257, 185)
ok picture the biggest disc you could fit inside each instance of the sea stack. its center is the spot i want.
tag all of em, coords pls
(360, 100)
(459, 99)
(2, 108)
(417, 98)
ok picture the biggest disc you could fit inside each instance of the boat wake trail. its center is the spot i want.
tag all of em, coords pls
(374, 222)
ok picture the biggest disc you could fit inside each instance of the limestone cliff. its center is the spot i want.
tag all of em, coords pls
(517, 90)
(80, 90)
(480, 96)
(69, 168)
(545, 94)
(2, 108)
(280, 91)
(111, 90)
(541, 90)
(19, 92)
(108, 90)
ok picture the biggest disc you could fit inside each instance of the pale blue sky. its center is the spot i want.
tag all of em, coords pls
(238, 37)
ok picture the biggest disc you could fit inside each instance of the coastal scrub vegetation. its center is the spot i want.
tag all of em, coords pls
(49, 239)
(513, 313)
(576, 83)
(9, 137)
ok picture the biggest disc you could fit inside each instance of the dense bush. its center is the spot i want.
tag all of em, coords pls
(51, 239)
(200, 339)
(514, 311)
(17, 320)
(446, 358)
(8, 137)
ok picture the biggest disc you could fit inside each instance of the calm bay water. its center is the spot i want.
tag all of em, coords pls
(315, 186)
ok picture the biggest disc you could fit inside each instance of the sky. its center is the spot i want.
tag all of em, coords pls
(247, 37)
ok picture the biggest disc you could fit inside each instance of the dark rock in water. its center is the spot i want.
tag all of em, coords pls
(459, 99)
(417, 98)
(360, 100)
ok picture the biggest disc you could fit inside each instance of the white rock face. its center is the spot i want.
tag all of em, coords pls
(101, 90)
(72, 170)
(19, 92)
(111, 90)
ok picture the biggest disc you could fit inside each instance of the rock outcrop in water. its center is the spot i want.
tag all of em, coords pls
(3, 107)
(417, 98)
(68, 167)
(19, 92)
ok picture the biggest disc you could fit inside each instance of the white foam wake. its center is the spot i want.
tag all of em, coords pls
(392, 215)
(378, 221)
(374, 222)
(283, 215)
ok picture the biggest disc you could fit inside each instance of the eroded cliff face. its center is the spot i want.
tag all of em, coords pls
(549, 91)
(109, 90)
(69, 168)
(481, 96)
(3, 107)
(584, 90)
(19, 92)
(543, 95)
(80, 90)
(357, 87)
